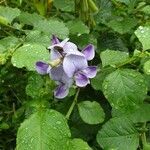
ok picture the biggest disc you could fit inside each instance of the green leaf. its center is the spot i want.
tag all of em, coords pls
(8, 43)
(37, 37)
(47, 130)
(143, 34)
(98, 80)
(77, 27)
(28, 55)
(78, 144)
(120, 87)
(110, 57)
(147, 67)
(140, 114)
(52, 27)
(105, 12)
(30, 19)
(147, 79)
(65, 5)
(8, 14)
(111, 41)
(91, 112)
(128, 2)
(44, 130)
(38, 87)
(146, 9)
(119, 134)
(123, 25)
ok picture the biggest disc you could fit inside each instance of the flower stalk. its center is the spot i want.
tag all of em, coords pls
(73, 104)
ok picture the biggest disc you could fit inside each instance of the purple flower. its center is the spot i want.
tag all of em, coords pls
(82, 76)
(76, 66)
(68, 64)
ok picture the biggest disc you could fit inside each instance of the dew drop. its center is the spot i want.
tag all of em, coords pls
(58, 122)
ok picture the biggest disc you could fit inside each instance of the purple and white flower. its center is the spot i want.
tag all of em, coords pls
(67, 65)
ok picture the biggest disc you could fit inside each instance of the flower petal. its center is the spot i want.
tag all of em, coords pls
(58, 74)
(61, 44)
(42, 68)
(71, 48)
(72, 63)
(55, 40)
(54, 54)
(90, 71)
(89, 52)
(81, 80)
(61, 91)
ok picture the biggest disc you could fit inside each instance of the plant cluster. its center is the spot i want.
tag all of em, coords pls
(75, 74)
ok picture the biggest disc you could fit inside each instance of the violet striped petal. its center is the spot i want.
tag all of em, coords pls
(90, 71)
(89, 52)
(61, 91)
(81, 80)
(42, 68)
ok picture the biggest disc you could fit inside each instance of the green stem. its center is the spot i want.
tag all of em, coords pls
(72, 105)
(143, 136)
(132, 59)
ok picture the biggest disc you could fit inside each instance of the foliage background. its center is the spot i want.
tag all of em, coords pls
(113, 112)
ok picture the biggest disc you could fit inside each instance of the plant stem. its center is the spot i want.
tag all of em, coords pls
(143, 136)
(72, 105)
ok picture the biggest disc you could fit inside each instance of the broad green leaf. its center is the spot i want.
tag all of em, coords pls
(146, 9)
(143, 34)
(123, 25)
(118, 134)
(37, 37)
(111, 57)
(78, 144)
(30, 19)
(7, 14)
(105, 12)
(125, 88)
(65, 5)
(77, 27)
(47, 130)
(52, 27)
(8, 43)
(28, 55)
(147, 67)
(98, 80)
(141, 114)
(91, 112)
(44, 130)
(38, 87)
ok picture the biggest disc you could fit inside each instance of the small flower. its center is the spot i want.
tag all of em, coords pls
(76, 66)
(82, 76)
